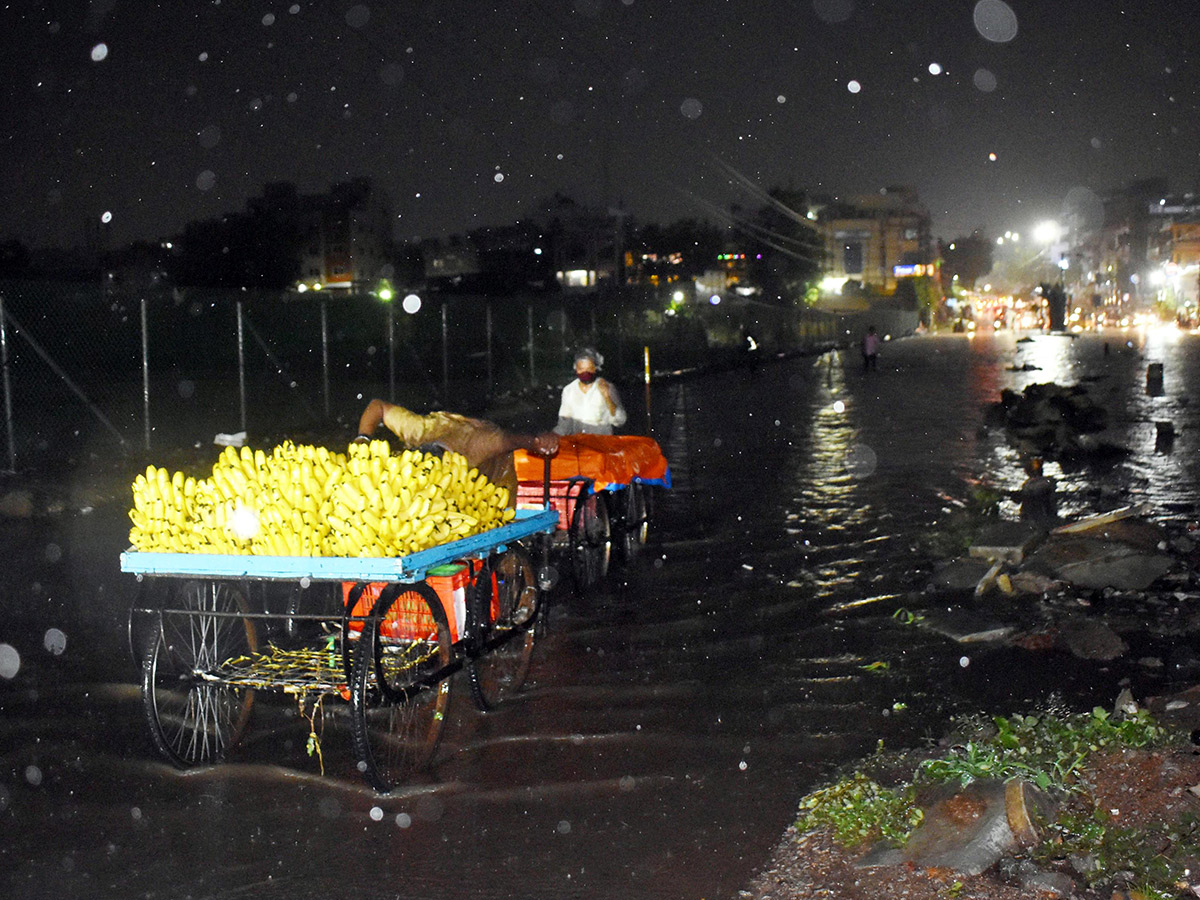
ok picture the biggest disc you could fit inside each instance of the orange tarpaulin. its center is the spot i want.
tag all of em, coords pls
(605, 458)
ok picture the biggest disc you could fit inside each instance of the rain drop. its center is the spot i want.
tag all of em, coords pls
(995, 21)
(861, 461)
(833, 11)
(781, 99)
(742, 766)
(206, 180)
(839, 406)
(357, 16)
(853, 87)
(626, 784)
(33, 775)
(53, 552)
(55, 641)
(210, 136)
(964, 661)
(691, 108)
(268, 19)
(564, 827)
(186, 389)
(376, 814)
(391, 74)
(294, 8)
(99, 52)
(935, 69)
(984, 80)
(204, 56)
(403, 820)
(10, 661)
(498, 177)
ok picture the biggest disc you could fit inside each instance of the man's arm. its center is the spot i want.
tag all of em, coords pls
(371, 418)
(543, 444)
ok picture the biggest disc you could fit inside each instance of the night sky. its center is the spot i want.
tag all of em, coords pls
(468, 113)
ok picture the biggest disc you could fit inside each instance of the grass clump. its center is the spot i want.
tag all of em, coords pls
(1046, 750)
(859, 810)
(1049, 750)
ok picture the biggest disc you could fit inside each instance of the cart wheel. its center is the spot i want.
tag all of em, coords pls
(635, 524)
(399, 692)
(591, 540)
(505, 645)
(194, 719)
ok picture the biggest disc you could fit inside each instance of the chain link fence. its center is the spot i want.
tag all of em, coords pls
(93, 370)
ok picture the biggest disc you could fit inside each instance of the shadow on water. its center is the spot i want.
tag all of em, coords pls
(673, 718)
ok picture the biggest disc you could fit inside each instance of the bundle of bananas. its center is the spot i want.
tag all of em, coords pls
(303, 500)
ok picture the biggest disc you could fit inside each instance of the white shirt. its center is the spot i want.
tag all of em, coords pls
(586, 412)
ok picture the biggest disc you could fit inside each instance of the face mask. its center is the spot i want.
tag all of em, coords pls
(587, 377)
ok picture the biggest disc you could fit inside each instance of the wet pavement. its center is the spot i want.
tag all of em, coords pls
(673, 718)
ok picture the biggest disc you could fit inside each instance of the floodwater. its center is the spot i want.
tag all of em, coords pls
(673, 718)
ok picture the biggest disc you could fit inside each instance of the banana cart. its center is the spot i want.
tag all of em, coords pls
(382, 634)
(601, 487)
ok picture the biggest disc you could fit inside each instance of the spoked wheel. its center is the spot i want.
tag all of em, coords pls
(591, 540)
(399, 691)
(635, 519)
(194, 718)
(506, 632)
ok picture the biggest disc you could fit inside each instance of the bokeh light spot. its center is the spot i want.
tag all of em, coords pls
(10, 662)
(995, 21)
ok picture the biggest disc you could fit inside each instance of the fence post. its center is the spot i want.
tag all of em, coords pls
(446, 351)
(145, 374)
(529, 316)
(325, 352)
(241, 349)
(488, 318)
(391, 339)
(8, 415)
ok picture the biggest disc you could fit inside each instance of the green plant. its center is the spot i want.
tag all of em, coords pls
(1159, 857)
(1047, 750)
(859, 810)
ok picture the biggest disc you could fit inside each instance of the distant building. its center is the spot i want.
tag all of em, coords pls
(344, 236)
(875, 239)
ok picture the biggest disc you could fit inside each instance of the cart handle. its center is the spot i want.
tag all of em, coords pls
(546, 483)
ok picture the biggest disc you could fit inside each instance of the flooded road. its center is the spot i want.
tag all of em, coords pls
(673, 718)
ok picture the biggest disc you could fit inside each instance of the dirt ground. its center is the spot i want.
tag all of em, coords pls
(1139, 789)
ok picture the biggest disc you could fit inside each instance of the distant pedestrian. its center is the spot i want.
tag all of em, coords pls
(870, 349)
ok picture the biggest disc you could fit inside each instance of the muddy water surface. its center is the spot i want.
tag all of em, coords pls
(673, 718)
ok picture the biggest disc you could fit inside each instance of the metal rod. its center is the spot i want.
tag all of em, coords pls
(446, 350)
(146, 373)
(8, 413)
(391, 340)
(325, 352)
(529, 316)
(488, 317)
(241, 351)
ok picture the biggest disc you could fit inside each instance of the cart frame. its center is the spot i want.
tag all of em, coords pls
(203, 648)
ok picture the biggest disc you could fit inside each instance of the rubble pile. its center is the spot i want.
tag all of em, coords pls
(1077, 586)
(1053, 422)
